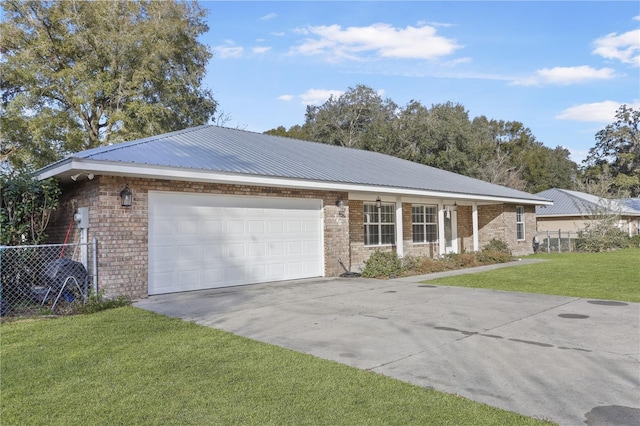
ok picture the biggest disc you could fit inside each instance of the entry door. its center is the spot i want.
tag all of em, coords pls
(199, 241)
(451, 232)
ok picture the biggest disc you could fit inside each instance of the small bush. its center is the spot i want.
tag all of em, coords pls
(596, 239)
(489, 257)
(634, 242)
(97, 303)
(497, 245)
(382, 264)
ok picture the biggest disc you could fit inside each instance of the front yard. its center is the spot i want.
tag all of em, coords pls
(129, 366)
(613, 275)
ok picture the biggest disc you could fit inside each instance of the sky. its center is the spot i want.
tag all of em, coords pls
(560, 68)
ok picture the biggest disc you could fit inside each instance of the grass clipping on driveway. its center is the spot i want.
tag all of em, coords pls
(613, 275)
(129, 366)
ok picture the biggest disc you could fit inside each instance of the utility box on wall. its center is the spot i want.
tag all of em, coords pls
(82, 217)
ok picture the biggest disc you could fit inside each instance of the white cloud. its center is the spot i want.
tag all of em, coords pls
(382, 40)
(268, 16)
(318, 96)
(624, 47)
(565, 75)
(286, 98)
(599, 112)
(228, 50)
(260, 49)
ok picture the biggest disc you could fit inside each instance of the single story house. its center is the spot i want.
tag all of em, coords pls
(213, 207)
(572, 210)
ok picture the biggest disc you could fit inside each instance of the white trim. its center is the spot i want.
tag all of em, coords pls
(442, 244)
(474, 219)
(523, 222)
(399, 230)
(73, 164)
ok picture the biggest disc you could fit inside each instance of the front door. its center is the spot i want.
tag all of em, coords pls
(451, 231)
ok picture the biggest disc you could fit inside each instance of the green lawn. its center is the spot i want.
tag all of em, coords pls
(132, 367)
(612, 275)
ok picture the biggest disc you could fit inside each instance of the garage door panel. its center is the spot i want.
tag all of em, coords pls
(205, 241)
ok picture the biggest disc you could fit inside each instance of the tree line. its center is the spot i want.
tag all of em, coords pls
(444, 136)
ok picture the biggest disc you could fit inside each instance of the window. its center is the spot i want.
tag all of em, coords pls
(520, 223)
(379, 224)
(424, 220)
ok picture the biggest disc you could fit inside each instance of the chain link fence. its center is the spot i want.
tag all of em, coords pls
(40, 279)
(555, 241)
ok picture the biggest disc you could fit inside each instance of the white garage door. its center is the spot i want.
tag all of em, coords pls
(199, 241)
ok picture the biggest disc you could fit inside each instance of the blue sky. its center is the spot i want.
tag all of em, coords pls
(560, 68)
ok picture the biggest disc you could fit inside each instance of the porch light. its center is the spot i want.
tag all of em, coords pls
(455, 207)
(340, 205)
(126, 196)
(378, 203)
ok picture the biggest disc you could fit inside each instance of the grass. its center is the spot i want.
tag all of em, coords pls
(129, 366)
(611, 275)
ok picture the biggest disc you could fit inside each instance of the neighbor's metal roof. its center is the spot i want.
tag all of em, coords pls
(574, 203)
(219, 149)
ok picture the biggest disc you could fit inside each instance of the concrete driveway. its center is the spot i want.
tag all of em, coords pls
(570, 360)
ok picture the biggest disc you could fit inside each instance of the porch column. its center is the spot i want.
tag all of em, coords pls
(441, 237)
(399, 230)
(474, 219)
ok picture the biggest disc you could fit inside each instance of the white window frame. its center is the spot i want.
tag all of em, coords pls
(376, 220)
(425, 224)
(520, 223)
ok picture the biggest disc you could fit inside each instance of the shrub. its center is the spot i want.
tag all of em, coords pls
(97, 303)
(497, 245)
(382, 264)
(634, 242)
(601, 238)
(495, 251)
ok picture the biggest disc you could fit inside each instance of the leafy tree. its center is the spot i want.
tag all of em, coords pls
(443, 136)
(78, 74)
(617, 151)
(26, 205)
(344, 120)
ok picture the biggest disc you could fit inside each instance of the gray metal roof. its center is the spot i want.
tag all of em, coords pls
(219, 149)
(574, 203)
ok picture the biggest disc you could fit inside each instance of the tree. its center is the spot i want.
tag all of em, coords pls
(26, 205)
(78, 74)
(344, 120)
(617, 151)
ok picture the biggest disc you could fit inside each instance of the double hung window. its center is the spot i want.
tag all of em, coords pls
(379, 224)
(424, 222)
(520, 223)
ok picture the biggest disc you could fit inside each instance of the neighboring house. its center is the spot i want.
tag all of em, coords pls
(214, 207)
(572, 210)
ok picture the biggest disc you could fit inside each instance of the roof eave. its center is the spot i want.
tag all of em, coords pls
(74, 165)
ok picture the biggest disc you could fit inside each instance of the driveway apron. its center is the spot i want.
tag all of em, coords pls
(570, 360)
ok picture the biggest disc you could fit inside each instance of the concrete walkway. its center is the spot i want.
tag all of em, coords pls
(570, 360)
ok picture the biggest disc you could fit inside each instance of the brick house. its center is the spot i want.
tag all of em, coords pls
(214, 207)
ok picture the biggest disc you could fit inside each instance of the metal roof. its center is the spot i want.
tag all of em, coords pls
(218, 149)
(574, 203)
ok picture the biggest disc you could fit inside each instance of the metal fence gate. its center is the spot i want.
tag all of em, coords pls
(50, 277)
(556, 241)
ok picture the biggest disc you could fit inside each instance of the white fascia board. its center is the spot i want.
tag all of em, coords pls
(355, 190)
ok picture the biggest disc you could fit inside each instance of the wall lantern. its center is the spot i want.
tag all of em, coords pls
(340, 205)
(126, 196)
(455, 207)
(378, 203)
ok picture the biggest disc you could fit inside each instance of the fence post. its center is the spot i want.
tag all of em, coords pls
(559, 241)
(548, 242)
(94, 253)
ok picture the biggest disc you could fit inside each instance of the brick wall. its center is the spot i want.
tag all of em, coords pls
(499, 221)
(122, 232)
